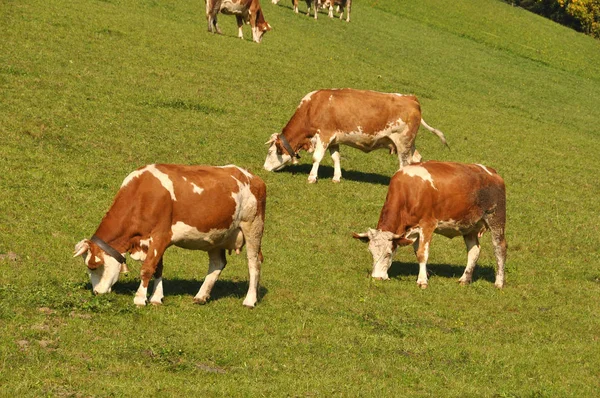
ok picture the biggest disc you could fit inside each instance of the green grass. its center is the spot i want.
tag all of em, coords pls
(90, 90)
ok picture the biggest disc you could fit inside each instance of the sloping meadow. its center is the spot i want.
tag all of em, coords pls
(90, 90)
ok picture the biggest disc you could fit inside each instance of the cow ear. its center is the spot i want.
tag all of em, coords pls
(400, 240)
(363, 237)
(81, 247)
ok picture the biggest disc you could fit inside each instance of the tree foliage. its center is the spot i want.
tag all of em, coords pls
(582, 15)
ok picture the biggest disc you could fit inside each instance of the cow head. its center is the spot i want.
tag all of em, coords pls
(382, 245)
(260, 28)
(103, 269)
(277, 155)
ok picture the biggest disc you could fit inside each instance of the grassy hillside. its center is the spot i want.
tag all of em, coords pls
(91, 90)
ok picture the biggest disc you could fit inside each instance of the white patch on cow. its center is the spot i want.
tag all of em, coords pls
(139, 255)
(331, 98)
(184, 179)
(306, 98)
(368, 142)
(97, 259)
(105, 276)
(146, 242)
(243, 171)
(418, 171)
(197, 189)
(164, 179)
(381, 248)
(189, 237)
(400, 95)
(484, 168)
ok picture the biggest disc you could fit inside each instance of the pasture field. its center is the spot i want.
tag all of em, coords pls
(92, 89)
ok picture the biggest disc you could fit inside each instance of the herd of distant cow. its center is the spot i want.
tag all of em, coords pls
(250, 12)
(220, 209)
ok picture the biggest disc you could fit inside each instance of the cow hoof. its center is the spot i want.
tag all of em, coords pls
(464, 282)
(248, 305)
(499, 285)
(312, 180)
(422, 285)
(200, 300)
(336, 180)
(156, 302)
(139, 301)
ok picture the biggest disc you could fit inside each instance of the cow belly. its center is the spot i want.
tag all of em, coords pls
(451, 229)
(230, 7)
(189, 237)
(364, 142)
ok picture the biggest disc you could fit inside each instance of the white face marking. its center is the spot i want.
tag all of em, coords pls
(164, 179)
(418, 171)
(381, 248)
(484, 168)
(105, 276)
(197, 189)
(275, 161)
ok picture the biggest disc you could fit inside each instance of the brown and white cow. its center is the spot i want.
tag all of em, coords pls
(248, 11)
(366, 120)
(194, 207)
(450, 199)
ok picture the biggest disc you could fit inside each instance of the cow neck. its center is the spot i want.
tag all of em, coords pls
(288, 146)
(390, 220)
(108, 249)
(114, 235)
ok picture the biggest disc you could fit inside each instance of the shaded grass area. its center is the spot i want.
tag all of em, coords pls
(91, 90)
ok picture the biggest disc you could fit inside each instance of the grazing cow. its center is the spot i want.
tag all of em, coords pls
(450, 199)
(366, 120)
(341, 5)
(247, 11)
(194, 207)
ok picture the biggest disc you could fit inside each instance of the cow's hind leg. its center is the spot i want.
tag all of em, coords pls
(240, 23)
(334, 151)
(473, 249)
(157, 291)
(216, 263)
(253, 235)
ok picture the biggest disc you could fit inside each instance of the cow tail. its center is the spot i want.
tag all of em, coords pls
(436, 132)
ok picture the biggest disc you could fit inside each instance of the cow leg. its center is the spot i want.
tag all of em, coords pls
(316, 4)
(317, 157)
(334, 151)
(253, 236)
(153, 258)
(422, 255)
(331, 9)
(216, 263)
(212, 10)
(499, 242)
(473, 249)
(157, 292)
(240, 23)
(348, 5)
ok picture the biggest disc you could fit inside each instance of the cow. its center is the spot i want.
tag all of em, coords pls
(366, 120)
(315, 3)
(450, 199)
(248, 11)
(341, 5)
(194, 207)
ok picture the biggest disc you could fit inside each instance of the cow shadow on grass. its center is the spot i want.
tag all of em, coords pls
(451, 271)
(189, 287)
(326, 173)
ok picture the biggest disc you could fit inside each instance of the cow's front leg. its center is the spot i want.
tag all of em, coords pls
(216, 263)
(149, 268)
(157, 291)
(422, 255)
(240, 23)
(473, 250)
(317, 157)
(334, 151)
